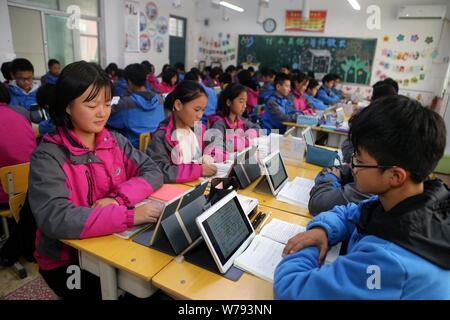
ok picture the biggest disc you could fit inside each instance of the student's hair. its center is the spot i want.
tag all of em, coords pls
(311, 74)
(225, 78)
(280, 79)
(21, 64)
(74, 80)
(267, 72)
(193, 75)
(382, 89)
(6, 70)
(112, 67)
(168, 74)
(286, 67)
(230, 69)
(398, 131)
(164, 68)
(136, 74)
(121, 73)
(239, 67)
(336, 76)
(215, 72)
(44, 95)
(393, 83)
(245, 78)
(251, 69)
(51, 62)
(185, 91)
(149, 68)
(5, 97)
(231, 92)
(299, 78)
(179, 66)
(327, 78)
(312, 84)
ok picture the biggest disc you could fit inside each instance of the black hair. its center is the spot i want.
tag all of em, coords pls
(168, 74)
(299, 77)
(230, 69)
(179, 66)
(51, 62)
(399, 131)
(393, 83)
(6, 70)
(267, 72)
(136, 74)
(336, 76)
(44, 95)
(231, 92)
(193, 75)
(239, 67)
(5, 96)
(245, 78)
(312, 83)
(185, 91)
(120, 73)
(149, 68)
(73, 81)
(327, 78)
(382, 89)
(21, 64)
(215, 72)
(112, 67)
(251, 69)
(280, 79)
(225, 78)
(164, 68)
(286, 66)
(311, 74)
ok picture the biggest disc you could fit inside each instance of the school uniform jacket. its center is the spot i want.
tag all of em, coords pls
(234, 141)
(278, 110)
(400, 254)
(299, 102)
(20, 98)
(159, 87)
(327, 96)
(66, 179)
(165, 151)
(315, 103)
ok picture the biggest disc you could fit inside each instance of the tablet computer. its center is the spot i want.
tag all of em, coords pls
(276, 173)
(227, 230)
(308, 136)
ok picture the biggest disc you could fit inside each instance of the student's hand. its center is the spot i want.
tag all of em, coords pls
(209, 170)
(207, 159)
(104, 202)
(315, 237)
(146, 213)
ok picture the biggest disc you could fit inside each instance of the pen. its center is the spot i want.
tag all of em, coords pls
(264, 221)
(257, 219)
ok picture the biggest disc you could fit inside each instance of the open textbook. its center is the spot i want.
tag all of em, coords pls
(296, 192)
(264, 253)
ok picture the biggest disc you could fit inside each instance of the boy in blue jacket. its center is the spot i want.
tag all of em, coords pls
(310, 96)
(22, 89)
(139, 112)
(326, 94)
(399, 244)
(279, 108)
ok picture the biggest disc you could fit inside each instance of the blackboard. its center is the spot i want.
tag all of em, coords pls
(351, 58)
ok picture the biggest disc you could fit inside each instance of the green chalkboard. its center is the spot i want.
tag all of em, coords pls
(351, 58)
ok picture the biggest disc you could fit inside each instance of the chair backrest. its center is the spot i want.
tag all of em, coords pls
(14, 178)
(144, 141)
(16, 203)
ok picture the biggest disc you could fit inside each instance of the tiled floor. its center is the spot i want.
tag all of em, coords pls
(9, 281)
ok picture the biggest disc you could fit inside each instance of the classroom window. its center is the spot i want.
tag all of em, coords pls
(88, 7)
(176, 27)
(47, 4)
(89, 40)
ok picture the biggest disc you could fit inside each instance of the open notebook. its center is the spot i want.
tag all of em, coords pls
(264, 253)
(296, 192)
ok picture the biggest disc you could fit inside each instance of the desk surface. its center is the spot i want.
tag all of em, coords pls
(316, 128)
(183, 280)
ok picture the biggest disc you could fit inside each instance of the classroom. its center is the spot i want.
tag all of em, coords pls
(251, 150)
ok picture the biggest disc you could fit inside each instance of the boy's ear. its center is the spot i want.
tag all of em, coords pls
(398, 176)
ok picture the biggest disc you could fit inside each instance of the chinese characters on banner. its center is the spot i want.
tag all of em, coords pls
(315, 23)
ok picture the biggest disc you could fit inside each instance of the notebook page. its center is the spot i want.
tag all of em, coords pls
(261, 258)
(281, 231)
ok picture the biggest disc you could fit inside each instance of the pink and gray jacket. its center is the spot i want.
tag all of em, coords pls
(67, 178)
(240, 134)
(163, 146)
(299, 101)
(160, 87)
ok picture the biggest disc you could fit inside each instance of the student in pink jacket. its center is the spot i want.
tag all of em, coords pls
(299, 84)
(168, 83)
(84, 180)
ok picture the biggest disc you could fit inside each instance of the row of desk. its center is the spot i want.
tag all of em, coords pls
(125, 265)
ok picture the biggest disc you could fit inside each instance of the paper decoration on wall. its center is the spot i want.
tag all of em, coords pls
(151, 29)
(401, 68)
(386, 38)
(403, 55)
(142, 22)
(434, 54)
(400, 37)
(145, 42)
(216, 49)
(131, 13)
(162, 25)
(405, 82)
(315, 23)
(415, 38)
(151, 9)
(159, 44)
(429, 40)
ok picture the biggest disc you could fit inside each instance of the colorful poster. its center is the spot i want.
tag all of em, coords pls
(131, 26)
(315, 23)
(145, 43)
(159, 44)
(151, 10)
(162, 25)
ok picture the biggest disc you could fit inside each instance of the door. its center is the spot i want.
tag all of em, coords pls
(177, 40)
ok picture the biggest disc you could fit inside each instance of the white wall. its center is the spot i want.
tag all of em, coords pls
(6, 43)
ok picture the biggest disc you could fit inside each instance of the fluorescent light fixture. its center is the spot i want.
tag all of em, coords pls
(355, 5)
(231, 6)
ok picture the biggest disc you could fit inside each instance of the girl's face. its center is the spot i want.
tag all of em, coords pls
(237, 106)
(173, 81)
(90, 116)
(192, 111)
(301, 87)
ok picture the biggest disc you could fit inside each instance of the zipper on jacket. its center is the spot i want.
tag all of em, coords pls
(90, 188)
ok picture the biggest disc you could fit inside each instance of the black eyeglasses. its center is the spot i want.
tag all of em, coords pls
(353, 165)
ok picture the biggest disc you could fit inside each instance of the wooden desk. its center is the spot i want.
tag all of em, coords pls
(183, 280)
(335, 137)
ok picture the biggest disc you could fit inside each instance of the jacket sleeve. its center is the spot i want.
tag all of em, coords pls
(221, 127)
(299, 276)
(144, 176)
(57, 216)
(323, 96)
(275, 111)
(162, 156)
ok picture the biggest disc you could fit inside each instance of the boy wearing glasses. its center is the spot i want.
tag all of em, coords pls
(22, 89)
(399, 240)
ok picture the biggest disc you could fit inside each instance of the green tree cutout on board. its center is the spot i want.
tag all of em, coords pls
(351, 67)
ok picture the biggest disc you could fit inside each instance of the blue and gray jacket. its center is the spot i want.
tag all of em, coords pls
(315, 103)
(278, 110)
(49, 78)
(211, 107)
(120, 88)
(20, 98)
(327, 96)
(266, 91)
(400, 254)
(137, 113)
